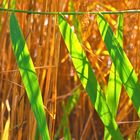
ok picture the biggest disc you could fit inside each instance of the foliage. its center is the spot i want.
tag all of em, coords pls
(87, 77)
(114, 84)
(121, 61)
(28, 75)
(66, 52)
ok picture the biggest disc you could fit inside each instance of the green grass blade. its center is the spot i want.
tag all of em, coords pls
(37, 134)
(119, 32)
(138, 133)
(122, 63)
(75, 21)
(72, 101)
(114, 85)
(67, 134)
(28, 75)
(13, 4)
(5, 4)
(87, 77)
(66, 129)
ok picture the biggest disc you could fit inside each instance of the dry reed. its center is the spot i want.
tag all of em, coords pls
(57, 76)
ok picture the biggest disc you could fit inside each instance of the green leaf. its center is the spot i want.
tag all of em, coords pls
(5, 4)
(75, 21)
(37, 134)
(138, 133)
(28, 75)
(67, 135)
(114, 85)
(65, 122)
(72, 101)
(12, 4)
(87, 77)
(121, 61)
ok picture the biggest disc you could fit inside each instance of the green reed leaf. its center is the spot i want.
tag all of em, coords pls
(114, 85)
(5, 4)
(121, 61)
(28, 75)
(138, 133)
(72, 101)
(75, 21)
(13, 4)
(65, 122)
(87, 77)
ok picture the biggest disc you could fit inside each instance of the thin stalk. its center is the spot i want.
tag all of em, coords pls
(69, 13)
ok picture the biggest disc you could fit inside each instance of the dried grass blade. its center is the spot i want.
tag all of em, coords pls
(5, 135)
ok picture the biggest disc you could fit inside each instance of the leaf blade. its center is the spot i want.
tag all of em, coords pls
(28, 75)
(114, 85)
(87, 77)
(123, 65)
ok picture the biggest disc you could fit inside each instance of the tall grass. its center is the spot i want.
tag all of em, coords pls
(29, 76)
(67, 109)
(87, 77)
(114, 84)
(122, 64)
(72, 112)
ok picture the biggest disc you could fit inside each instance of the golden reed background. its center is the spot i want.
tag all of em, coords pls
(55, 71)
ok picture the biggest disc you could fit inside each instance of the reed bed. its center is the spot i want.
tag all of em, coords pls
(70, 112)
